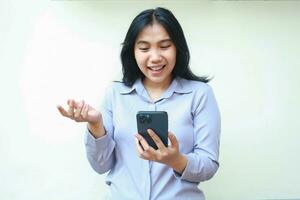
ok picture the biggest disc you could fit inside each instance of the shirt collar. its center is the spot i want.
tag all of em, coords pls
(177, 86)
(137, 86)
(181, 86)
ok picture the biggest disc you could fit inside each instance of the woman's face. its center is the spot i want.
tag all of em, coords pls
(155, 54)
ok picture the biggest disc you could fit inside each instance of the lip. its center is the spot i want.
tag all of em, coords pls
(156, 72)
(156, 66)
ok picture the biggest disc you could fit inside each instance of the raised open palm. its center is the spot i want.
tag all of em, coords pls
(81, 112)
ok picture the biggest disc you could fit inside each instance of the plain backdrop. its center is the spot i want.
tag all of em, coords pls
(54, 50)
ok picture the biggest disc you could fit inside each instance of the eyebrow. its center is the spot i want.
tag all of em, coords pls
(161, 41)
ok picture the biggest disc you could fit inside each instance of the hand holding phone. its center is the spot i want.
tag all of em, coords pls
(156, 121)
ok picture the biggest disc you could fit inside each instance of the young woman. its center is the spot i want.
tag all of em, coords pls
(156, 77)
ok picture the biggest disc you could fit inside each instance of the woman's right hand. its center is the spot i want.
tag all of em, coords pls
(83, 112)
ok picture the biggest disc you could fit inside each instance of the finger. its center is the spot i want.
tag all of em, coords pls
(173, 140)
(146, 155)
(71, 108)
(138, 147)
(75, 104)
(62, 110)
(143, 142)
(84, 111)
(78, 110)
(156, 139)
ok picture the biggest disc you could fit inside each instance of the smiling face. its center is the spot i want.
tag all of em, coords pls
(155, 54)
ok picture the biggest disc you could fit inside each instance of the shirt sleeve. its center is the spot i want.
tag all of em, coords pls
(203, 163)
(100, 151)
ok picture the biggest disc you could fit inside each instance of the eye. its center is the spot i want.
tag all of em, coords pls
(165, 46)
(143, 49)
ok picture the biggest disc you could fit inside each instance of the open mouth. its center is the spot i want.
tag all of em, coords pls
(156, 68)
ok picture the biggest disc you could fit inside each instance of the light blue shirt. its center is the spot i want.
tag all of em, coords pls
(194, 118)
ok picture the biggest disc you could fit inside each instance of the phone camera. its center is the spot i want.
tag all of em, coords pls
(145, 119)
(148, 118)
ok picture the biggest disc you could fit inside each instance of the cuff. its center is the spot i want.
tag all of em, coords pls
(186, 174)
(97, 143)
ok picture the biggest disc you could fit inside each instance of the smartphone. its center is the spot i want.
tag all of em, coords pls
(156, 121)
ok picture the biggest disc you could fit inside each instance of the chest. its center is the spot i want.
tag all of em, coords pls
(180, 120)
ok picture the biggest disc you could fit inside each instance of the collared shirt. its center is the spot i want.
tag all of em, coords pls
(194, 118)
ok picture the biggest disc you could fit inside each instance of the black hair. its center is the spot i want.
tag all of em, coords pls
(164, 17)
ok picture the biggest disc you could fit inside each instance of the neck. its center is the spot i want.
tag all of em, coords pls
(155, 90)
(157, 87)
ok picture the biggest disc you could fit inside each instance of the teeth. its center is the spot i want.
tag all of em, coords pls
(156, 68)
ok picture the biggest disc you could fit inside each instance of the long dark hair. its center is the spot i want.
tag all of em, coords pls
(131, 71)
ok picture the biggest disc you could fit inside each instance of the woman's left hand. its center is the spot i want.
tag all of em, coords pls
(167, 155)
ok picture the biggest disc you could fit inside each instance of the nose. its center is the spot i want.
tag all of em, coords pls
(155, 56)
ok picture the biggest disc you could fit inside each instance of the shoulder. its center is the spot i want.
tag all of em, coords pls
(197, 87)
(117, 87)
(112, 92)
(202, 96)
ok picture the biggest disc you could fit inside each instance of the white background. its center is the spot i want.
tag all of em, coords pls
(54, 50)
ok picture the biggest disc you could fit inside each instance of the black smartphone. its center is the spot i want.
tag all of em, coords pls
(156, 121)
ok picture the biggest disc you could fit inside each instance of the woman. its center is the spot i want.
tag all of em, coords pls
(156, 77)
